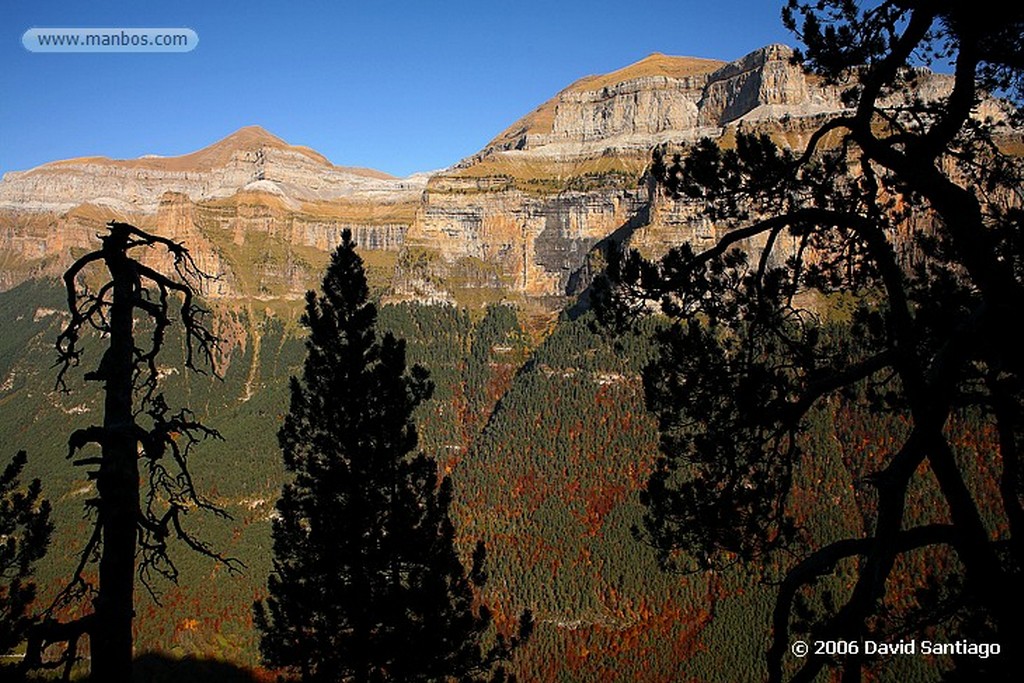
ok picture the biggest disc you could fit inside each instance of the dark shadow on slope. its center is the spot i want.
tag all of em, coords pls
(581, 281)
(161, 668)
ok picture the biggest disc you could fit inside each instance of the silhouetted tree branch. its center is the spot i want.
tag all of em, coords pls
(133, 310)
(914, 213)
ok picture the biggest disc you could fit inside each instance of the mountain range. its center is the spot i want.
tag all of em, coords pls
(519, 219)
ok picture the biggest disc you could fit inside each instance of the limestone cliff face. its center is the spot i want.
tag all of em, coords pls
(699, 101)
(676, 221)
(539, 197)
(644, 107)
(664, 99)
(764, 84)
(505, 238)
(259, 212)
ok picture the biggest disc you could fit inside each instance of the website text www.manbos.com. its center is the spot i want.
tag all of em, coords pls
(110, 39)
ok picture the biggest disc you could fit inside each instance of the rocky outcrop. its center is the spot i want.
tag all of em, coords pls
(664, 99)
(646, 106)
(764, 84)
(570, 174)
(538, 198)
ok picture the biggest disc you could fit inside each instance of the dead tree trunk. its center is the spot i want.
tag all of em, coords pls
(130, 530)
(118, 480)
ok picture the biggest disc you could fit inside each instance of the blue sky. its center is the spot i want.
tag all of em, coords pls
(400, 87)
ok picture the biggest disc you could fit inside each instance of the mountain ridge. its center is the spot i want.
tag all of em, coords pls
(518, 219)
(246, 138)
(662, 98)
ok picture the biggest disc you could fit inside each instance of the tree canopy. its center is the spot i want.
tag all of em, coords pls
(881, 265)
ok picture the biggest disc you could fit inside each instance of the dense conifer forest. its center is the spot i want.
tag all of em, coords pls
(547, 445)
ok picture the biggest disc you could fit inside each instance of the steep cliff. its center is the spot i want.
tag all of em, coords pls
(493, 236)
(259, 212)
(662, 99)
(541, 195)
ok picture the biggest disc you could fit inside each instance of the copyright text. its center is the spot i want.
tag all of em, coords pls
(899, 648)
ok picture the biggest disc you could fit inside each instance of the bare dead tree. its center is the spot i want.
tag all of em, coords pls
(143, 482)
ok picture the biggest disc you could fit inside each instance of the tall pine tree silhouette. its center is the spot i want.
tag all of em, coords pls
(366, 582)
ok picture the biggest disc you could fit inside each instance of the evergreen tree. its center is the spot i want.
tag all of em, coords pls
(366, 582)
(906, 209)
(25, 529)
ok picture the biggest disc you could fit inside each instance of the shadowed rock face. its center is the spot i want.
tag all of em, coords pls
(522, 216)
(536, 240)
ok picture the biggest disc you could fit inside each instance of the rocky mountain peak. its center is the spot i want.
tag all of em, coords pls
(249, 136)
(654, 65)
(663, 98)
(250, 158)
(250, 139)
